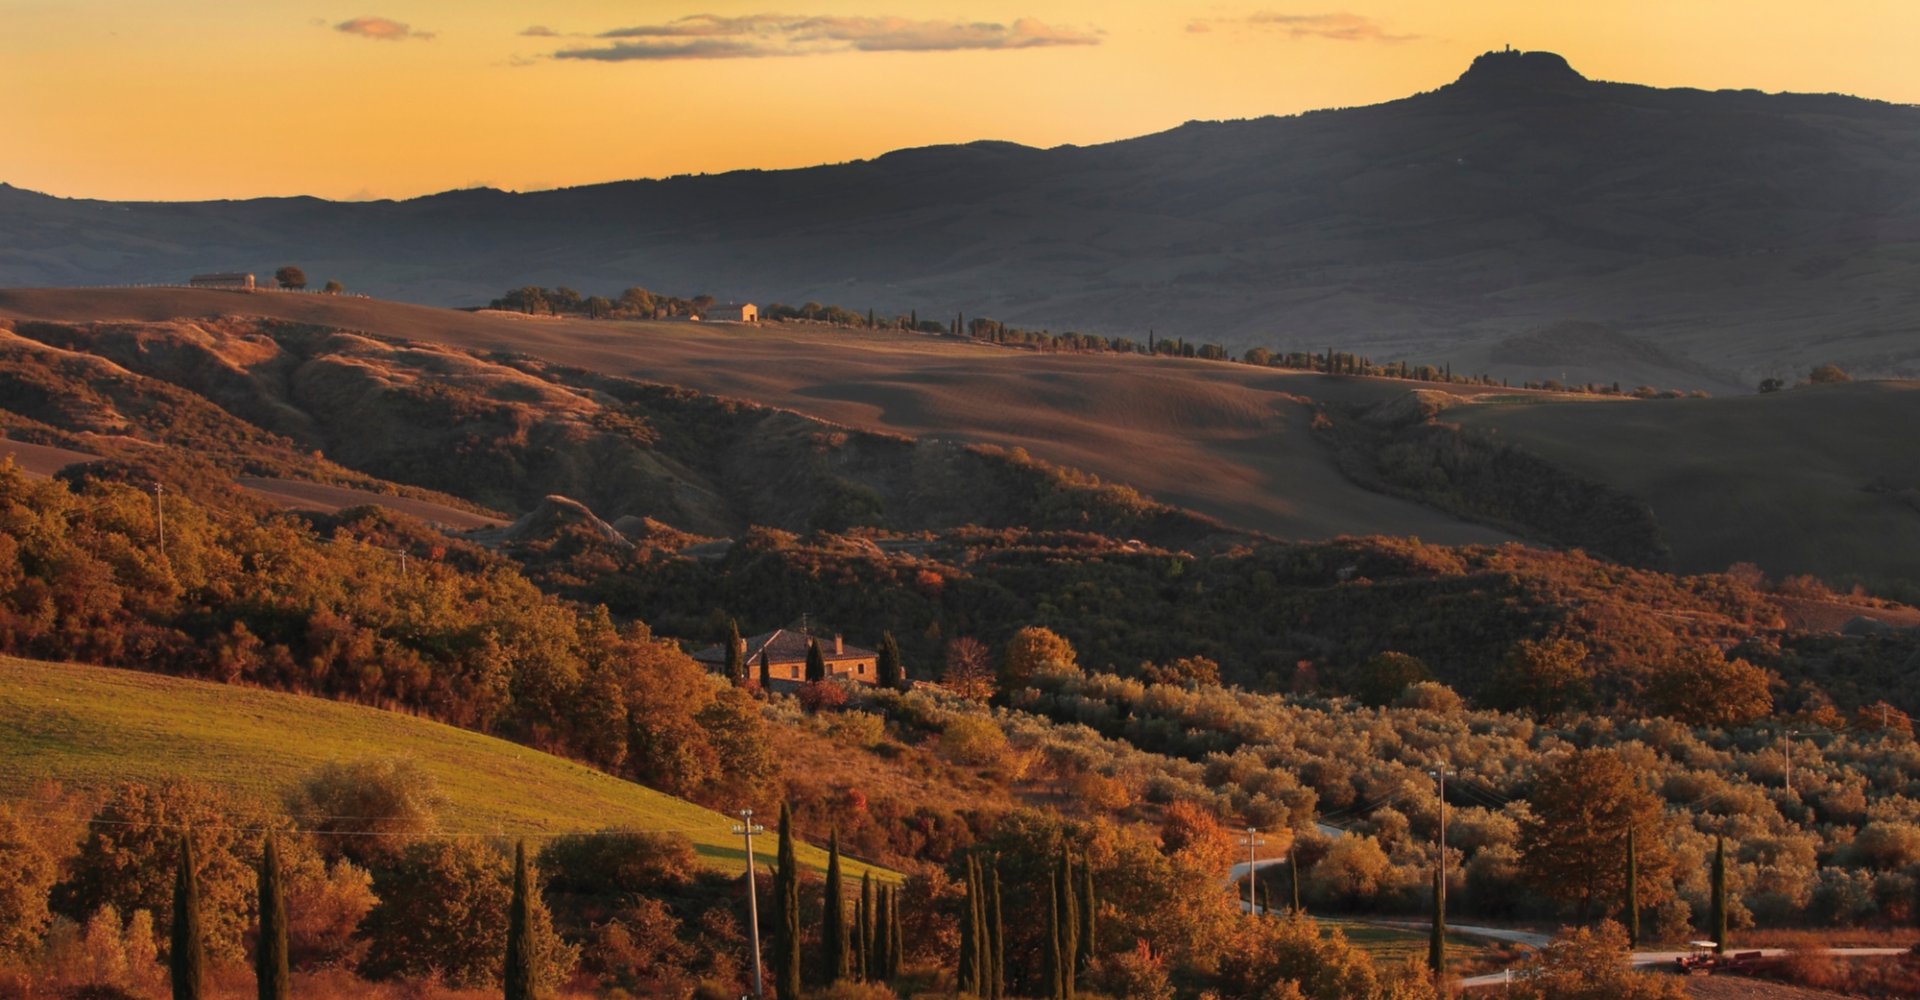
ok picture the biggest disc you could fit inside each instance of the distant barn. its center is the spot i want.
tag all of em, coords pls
(731, 312)
(236, 281)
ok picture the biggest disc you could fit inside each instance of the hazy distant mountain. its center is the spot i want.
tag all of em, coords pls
(1735, 233)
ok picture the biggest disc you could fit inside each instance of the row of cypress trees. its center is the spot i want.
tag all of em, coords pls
(1072, 909)
(871, 949)
(187, 957)
(983, 943)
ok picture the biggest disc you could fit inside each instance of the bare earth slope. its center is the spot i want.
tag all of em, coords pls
(1226, 440)
(1751, 233)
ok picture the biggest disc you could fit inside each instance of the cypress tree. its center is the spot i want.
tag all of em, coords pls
(882, 935)
(1266, 899)
(1068, 926)
(996, 937)
(270, 952)
(816, 663)
(982, 930)
(1056, 983)
(786, 894)
(736, 656)
(889, 671)
(1718, 915)
(1086, 905)
(1633, 891)
(766, 672)
(187, 958)
(833, 919)
(863, 936)
(969, 969)
(897, 942)
(869, 317)
(1293, 879)
(520, 983)
(1437, 937)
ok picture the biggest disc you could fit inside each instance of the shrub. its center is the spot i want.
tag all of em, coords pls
(30, 873)
(367, 810)
(1585, 964)
(973, 740)
(443, 911)
(128, 857)
(615, 863)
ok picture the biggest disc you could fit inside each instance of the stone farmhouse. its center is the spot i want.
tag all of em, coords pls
(781, 657)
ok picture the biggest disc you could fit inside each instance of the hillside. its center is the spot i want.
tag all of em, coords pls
(1817, 479)
(1751, 234)
(91, 727)
(1233, 442)
(1228, 442)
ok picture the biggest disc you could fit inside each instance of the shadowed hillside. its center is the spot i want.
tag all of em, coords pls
(1749, 233)
(1819, 479)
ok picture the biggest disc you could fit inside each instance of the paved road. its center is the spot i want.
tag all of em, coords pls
(1656, 958)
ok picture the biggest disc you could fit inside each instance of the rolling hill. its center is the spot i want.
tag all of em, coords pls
(1817, 488)
(90, 727)
(1748, 234)
(1816, 480)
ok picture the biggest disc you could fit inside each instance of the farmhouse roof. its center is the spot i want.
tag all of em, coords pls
(785, 645)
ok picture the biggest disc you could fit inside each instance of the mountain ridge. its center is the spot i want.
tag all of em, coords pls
(1753, 234)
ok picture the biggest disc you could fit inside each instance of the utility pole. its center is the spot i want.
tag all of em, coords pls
(747, 828)
(1252, 842)
(1438, 948)
(160, 518)
(1791, 733)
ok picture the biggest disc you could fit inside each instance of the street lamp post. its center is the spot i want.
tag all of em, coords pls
(747, 828)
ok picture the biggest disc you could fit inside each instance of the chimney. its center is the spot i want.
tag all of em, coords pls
(743, 647)
(839, 644)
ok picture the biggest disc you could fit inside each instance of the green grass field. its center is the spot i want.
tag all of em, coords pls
(91, 727)
(1390, 946)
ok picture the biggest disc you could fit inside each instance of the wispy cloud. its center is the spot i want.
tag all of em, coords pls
(383, 29)
(712, 36)
(1340, 27)
(540, 31)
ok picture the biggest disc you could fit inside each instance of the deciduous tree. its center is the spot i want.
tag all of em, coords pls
(1701, 687)
(1573, 840)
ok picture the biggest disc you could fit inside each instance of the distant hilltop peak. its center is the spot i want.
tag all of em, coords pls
(1512, 69)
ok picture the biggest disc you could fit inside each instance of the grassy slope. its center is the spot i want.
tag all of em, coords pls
(89, 727)
(1779, 480)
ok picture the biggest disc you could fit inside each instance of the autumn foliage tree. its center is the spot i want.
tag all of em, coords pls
(1031, 651)
(1701, 687)
(1573, 842)
(1548, 677)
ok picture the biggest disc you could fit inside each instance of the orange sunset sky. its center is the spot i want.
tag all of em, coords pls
(138, 99)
